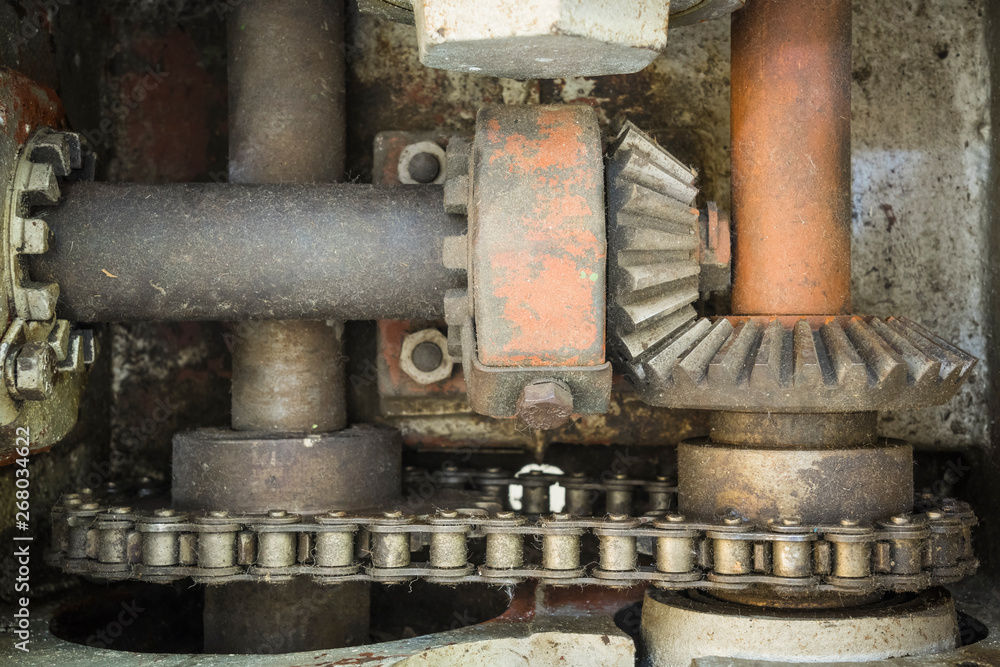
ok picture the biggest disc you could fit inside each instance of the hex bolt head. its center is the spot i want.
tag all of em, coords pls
(546, 404)
(34, 371)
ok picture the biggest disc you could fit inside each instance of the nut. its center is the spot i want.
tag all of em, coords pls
(34, 371)
(424, 356)
(546, 404)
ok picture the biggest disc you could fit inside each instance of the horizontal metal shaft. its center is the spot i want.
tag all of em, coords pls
(200, 251)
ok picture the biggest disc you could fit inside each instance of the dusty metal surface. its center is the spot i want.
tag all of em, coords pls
(849, 429)
(259, 471)
(792, 364)
(817, 485)
(537, 245)
(677, 629)
(315, 252)
(545, 40)
(288, 378)
(791, 100)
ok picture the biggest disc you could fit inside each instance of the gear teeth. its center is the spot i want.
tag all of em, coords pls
(653, 252)
(29, 236)
(695, 364)
(845, 364)
(731, 364)
(806, 366)
(53, 149)
(767, 366)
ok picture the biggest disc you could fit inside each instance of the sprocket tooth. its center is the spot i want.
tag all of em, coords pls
(694, 365)
(29, 236)
(768, 370)
(885, 364)
(922, 369)
(38, 301)
(850, 371)
(54, 150)
(807, 371)
(42, 186)
(660, 367)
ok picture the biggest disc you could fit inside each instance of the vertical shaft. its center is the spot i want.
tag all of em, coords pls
(791, 157)
(286, 110)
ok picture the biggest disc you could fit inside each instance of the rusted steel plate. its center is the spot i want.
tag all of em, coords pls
(538, 247)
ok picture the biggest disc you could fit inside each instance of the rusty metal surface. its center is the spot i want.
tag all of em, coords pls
(538, 248)
(816, 485)
(791, 157)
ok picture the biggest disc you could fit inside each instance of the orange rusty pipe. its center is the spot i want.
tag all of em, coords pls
(791, 138)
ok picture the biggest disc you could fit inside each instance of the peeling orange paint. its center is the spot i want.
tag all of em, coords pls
(539, 238)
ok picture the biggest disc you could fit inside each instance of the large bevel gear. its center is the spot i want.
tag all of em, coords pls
(37, 350)
(798, 364)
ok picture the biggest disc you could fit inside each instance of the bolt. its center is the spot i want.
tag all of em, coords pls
(545, 405)
(424, 168)
(393, 514)
(34, 371)
(447, 514)
(901, 520)
(618, 517)
(849, 522)
(732, 521)
(336, 515)
(121, 510)
(427, 356)
(72, 501)
(90, 506)
(164, 512)
(506, 515)
(791, 521)
(277, 514)
(935, 515)
(219, 514)
(560, 516)
(675, 518)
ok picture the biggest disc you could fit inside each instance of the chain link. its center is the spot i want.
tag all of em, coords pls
(907, 553)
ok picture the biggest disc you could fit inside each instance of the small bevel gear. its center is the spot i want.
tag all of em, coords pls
(653, 242)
